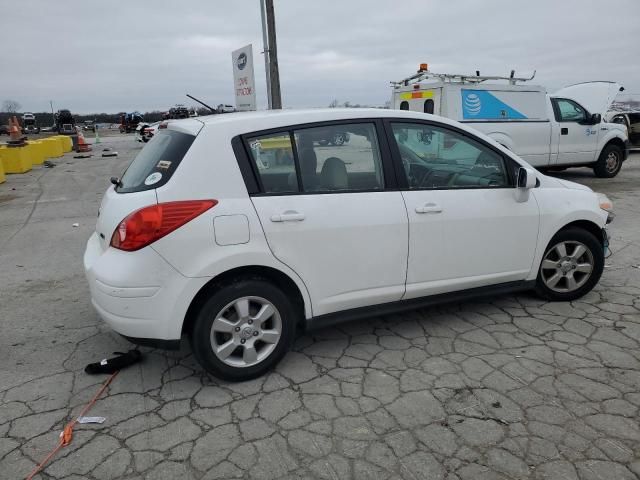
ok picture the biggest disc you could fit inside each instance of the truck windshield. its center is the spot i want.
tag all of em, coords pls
(156, 162)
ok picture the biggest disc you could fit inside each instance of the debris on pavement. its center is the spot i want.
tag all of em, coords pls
(84, 420)
(114, 364)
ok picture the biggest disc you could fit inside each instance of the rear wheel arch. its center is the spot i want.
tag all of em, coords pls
(275, 276)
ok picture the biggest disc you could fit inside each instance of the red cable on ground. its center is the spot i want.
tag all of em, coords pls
(67, 434)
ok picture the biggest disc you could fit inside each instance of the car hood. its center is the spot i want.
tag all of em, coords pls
(573, 185)
(596, 97)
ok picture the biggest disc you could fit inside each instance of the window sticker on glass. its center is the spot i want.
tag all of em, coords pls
(152, 179)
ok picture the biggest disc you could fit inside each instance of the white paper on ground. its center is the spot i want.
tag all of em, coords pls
(91, 419)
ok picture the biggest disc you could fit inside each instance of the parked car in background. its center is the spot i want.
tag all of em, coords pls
(202, 237)
(556, 131)
(225, 108)
(177, 112)
(631, 120)
(337, 139)
(146, 131)
(65, 122)
(4, 129)
(129, 121)
(89, 126)
(29, 124)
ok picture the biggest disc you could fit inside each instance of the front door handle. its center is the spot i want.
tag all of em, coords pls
(564, 131)
(288, 216)
(429, 208)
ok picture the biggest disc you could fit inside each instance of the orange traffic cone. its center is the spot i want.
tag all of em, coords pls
(82, 146)
(15, 132)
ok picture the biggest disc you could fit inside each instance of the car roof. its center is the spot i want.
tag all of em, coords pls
(243, 122)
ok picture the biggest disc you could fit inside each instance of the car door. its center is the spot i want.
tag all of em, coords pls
(467, 226)
(577, 138)
(328, 212)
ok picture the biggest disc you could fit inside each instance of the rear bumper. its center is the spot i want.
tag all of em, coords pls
(138, 294)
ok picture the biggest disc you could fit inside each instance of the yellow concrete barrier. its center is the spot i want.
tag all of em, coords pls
(67, 143)
(15, 159)
(53, 147)
(37, 151)
(3, 177)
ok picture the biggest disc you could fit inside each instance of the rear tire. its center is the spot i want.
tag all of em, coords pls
(609, 163)
(571, 265)
(243, 330)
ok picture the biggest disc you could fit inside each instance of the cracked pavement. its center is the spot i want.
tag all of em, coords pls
(508, 387)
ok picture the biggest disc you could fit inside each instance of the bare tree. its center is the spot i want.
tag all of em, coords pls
(11, 106)
(334, 103)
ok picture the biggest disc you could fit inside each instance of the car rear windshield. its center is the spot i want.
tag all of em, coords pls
(156, 162)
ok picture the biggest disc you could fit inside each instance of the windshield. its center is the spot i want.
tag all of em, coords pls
(156, 162)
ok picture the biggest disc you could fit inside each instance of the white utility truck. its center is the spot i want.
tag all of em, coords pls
(548, 131)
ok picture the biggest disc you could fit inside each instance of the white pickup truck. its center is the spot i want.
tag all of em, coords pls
(548, 131)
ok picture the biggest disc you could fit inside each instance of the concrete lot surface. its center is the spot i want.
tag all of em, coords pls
(505, 388)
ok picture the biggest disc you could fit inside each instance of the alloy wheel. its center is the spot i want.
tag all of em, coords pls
(567, 266)
(611, 163)
(246, 331)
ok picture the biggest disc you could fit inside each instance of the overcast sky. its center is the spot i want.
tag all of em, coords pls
(145, 55)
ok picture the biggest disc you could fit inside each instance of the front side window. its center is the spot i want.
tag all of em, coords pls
(342, 157)
(570, 111)
(272, 156)
(436, 158)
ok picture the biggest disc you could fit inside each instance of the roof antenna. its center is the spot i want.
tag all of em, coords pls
(201, 103)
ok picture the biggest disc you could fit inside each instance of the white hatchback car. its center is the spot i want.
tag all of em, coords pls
(238, 229)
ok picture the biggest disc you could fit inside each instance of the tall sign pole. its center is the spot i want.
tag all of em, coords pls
(274, 74)
(265, 48)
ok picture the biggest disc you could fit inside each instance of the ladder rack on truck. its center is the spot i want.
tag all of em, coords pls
(424, 74)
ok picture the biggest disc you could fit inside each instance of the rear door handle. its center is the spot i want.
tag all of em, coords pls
(288, 216)
(429, 208)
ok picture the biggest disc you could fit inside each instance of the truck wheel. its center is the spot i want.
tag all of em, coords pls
(243, 329)
(571, 266)
(609, 163)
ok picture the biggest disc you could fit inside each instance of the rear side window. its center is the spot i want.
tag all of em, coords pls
(273, 158)
(156, 162)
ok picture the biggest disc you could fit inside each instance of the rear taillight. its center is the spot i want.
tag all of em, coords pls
(149, 224)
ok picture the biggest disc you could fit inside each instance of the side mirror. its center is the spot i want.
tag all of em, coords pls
(596, 118)
(526, 178)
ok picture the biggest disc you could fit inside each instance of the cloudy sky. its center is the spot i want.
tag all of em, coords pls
(145, 55)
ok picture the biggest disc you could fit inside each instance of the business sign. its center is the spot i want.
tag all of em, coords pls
(244, 81)
(484, 105)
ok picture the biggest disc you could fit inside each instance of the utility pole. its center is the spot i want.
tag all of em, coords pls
(265, 48)
(274, 74)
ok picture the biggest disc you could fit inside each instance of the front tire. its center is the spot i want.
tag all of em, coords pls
(571, 265)
(609, 163)
(243, 329)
